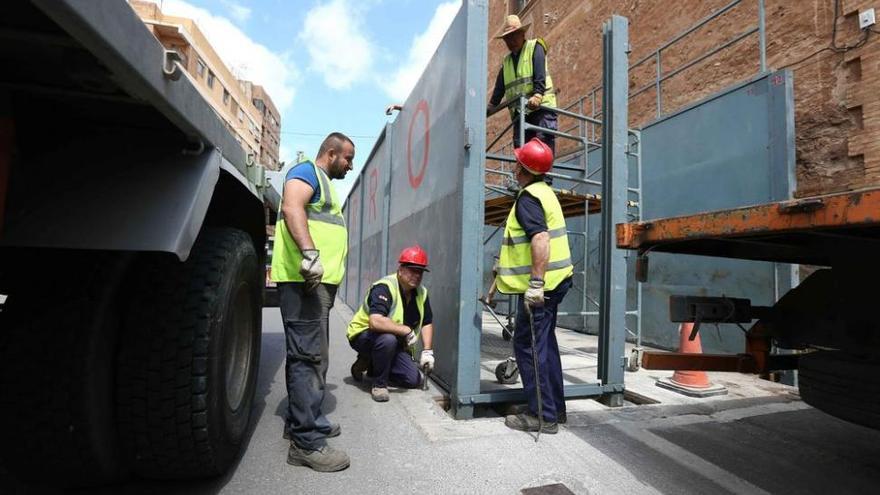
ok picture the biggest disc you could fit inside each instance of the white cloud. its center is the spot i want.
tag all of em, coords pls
(420, 52)
(238, 12)
(338, 48)
(247, 58)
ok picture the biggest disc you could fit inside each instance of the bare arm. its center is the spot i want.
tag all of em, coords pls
(428, 336)
(540, 254)
(293, 207)
(383, 324)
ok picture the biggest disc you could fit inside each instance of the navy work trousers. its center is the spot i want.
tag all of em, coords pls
(306, 329)
(389, 359)
(543, 118)
(549, 363)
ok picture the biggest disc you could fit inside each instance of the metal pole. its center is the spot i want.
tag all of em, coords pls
(612, 296)
(522, 120)
(762, 36)
(657, 88)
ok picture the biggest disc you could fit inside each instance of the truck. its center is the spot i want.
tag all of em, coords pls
(132, 255)
(825, 327)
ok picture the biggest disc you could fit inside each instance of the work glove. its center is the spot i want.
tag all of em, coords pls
(410, 339)
(427, 360)
(534, 295)
(534, 101)
(311, 269)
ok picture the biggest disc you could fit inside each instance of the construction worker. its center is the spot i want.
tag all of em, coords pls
(524, 73)
(386, 328)
(308, 263)
(535, 262)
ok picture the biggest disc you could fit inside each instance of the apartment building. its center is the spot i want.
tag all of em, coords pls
(230, 97)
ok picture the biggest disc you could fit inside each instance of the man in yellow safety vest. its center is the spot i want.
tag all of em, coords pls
(535, 263)
(386, 328)
(308, 263)
(524, 73)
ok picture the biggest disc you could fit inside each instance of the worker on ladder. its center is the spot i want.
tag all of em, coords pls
(386, 328)
(524, 73)
(535, 262)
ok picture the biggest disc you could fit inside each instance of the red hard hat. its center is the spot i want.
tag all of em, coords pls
(414, 255)
(535, 156)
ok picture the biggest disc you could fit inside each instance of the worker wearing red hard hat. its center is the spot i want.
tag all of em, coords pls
(535, 262)
(387, 327)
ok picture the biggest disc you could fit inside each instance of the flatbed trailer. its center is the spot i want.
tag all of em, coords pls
(830, 317)
(132, 255)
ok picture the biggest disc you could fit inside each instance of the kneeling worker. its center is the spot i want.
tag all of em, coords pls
(386, 328)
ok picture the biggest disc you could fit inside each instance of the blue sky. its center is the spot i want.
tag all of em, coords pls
(329, 65)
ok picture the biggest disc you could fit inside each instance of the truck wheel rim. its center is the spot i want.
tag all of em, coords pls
(238, 347)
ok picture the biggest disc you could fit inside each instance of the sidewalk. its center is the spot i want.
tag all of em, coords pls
(410, 445)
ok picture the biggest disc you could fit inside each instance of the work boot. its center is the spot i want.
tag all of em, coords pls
(561, 418)
(335, 431)
(325, 459)
(527, 422)
(359, 367)
(380, 394)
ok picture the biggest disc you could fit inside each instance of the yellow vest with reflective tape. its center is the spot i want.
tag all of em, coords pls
(327, 228)
(361, 320)
(515, 263)
(518, 80)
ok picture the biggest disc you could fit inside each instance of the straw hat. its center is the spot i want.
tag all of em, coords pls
(512, 24)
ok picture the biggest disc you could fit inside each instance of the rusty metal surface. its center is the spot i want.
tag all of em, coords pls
(802, 231)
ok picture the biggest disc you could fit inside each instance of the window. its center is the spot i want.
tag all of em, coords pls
(240, 114)
(211, 78)
(200, 67)
(225, 97)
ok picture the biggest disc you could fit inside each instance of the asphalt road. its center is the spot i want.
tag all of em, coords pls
(409, 445)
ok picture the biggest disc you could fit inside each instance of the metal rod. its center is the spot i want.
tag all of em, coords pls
(572, 115)
(762, 36)
(688, 31)
(499, 136)
(658, 86)
(526, 125)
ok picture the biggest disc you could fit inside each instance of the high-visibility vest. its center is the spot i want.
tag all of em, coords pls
(515, 263)
(518, 80)
(361, 320)
(327, 228)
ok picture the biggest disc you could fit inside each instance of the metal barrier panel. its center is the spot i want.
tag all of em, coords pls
(733, 149)
(422, 184)
(352, 263)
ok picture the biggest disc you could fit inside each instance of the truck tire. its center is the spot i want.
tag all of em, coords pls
(189, 360)
(842, 385)
(57, 371)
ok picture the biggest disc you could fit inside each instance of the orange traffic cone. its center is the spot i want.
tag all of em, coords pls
(691, 383)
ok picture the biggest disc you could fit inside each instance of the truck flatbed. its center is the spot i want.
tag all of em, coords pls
(812, 230)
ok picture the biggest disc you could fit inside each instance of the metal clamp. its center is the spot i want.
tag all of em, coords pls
(172, 67)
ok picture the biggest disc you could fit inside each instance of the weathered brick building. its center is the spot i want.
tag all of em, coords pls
(836, 68)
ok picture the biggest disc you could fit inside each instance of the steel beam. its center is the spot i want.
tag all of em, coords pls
(612, 291)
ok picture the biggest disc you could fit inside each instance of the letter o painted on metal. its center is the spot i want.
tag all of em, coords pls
(415, 178)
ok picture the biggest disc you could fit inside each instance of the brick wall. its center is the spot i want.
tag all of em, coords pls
(837, 107)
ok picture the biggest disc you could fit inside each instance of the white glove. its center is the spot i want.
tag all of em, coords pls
(411, 338)
(535, 101)
(427, 360)
(311, 269)
(534, 295)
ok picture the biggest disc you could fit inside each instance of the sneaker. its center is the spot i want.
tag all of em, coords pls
(380, 394)
(527, 422)
(335, 431)
(359, 367)
(325, 459)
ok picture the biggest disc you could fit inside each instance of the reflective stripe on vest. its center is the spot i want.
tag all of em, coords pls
(327, 228)
(518, 80)
(515, 263)
(361, 320)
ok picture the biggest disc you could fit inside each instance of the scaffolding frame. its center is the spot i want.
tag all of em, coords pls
(614, 187)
